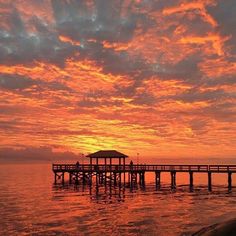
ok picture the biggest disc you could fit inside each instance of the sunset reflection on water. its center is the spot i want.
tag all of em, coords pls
(32, 204)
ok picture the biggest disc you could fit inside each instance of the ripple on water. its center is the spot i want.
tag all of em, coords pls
(33, 206)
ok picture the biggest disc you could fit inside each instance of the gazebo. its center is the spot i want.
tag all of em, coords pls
(107, 154)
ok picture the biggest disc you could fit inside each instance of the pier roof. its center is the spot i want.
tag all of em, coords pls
(107, 154)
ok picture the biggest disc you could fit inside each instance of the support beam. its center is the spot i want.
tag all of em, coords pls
(63, 179)
(209, 181)
(158, 178)
(55, 178)
(143, 177)
(114, 174)
(124, 169)
(230, 180)
(84, 176)
(76, 178)
(140, 177)
(191, 180)
(173, 179)
(70, 178)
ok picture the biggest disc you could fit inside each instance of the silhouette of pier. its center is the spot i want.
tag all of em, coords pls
(131, 174)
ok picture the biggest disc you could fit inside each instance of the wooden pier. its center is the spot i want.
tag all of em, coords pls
(116, 173)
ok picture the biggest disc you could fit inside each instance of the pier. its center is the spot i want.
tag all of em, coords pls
(131, 174)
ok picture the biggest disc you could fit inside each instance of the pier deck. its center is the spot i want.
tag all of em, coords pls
(148, 168)
(113, 173)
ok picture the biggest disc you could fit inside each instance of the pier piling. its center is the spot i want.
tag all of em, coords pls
(229, 180)
(191, 180)
(158, 179)
(115, 174)
(173, 179)
(209, 181)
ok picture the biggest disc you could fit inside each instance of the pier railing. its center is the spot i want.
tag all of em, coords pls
(140, 167)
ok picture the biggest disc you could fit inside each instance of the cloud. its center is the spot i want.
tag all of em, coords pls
(194, 95)
(15, 82)
(224, 13)
(103, 74)
(101, 20)
(19, 45)
(35, 154)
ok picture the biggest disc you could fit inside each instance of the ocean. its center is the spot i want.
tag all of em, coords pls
(30, 204)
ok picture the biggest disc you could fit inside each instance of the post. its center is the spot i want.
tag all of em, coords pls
(105, 171)
(229, 180)
(62, 178)
(114, 174)
(173, 179)
(143, 177)
(110, 170)
(97, 178)
(70, 178)
(55, 177)
(76, 178)
(191, 179)
(83, 178)
(124, 168)
(209, 180)
(158, 178)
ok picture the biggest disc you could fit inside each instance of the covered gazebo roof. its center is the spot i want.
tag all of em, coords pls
(107, 154)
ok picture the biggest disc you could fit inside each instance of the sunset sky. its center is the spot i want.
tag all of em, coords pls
(155, 77)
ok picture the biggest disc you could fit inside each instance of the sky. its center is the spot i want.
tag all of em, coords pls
(154, 77)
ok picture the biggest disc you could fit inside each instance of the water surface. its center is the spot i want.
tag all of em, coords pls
(31, 204)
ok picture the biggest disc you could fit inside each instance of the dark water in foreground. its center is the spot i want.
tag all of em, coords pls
(31, 205)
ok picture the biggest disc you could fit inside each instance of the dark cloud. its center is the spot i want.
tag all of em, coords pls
(104, 20)
(18, 46)
(224, 13)
(186, 70)
(32, 154)
(19, 82)
(88, 102)
(144, 98)
(14, 82)
(194, 95)
(223, 112)
(199, 126)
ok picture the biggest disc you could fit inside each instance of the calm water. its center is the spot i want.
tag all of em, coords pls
(30, 204)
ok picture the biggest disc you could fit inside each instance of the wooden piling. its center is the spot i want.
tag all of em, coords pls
(191, 179)
(70, 178)
(143, 177)
(230, 180)
(209, 181)
(173, 179)
(63, 178)
(114, 174)
(158, 178)
(55, 178)
(137, 173)
(76, 179)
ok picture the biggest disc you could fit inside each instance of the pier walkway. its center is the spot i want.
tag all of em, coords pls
(136, 173)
